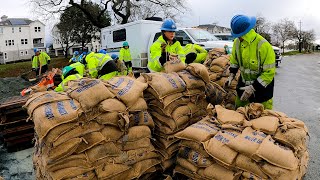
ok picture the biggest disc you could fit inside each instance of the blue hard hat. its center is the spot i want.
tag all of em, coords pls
(114, 56)
(125, 43)
(168, 25)
(66, 70)
(35, 50)
(241, 25)
(84, 53)
(102, 51)
(76, 53)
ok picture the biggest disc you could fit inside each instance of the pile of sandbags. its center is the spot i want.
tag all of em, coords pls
(250, 143)
(217, 92)
(97, 130)
(175, 101)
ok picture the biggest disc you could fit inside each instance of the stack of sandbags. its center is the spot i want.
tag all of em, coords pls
(217, 92)
(250, 143)
(92, 132)
(175, 100)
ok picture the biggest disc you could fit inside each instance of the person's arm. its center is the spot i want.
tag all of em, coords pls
(268, 68)
(129, 55)
(35, 62)
(234, 62)
(181, 52)
(121, 54)
(158, 57)
(201, 54)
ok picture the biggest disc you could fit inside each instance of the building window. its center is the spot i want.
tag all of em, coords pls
(9, 42)
(26, 53)
(19, 29)
(12, 30)
(24, 41)
(21, 53)
(6, 43)
(119, 35)
(5, 55)
(37, 29)
(12, 42)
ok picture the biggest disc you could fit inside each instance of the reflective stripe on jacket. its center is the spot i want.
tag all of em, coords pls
(155, 53)
(109, 75)
(125, 55)
(42, 59)
(95, 62)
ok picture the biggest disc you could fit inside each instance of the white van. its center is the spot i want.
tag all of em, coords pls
(141, 34)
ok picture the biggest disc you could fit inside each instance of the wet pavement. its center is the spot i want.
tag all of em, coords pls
(297, 93)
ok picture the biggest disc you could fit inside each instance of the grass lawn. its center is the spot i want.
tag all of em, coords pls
(16, 69)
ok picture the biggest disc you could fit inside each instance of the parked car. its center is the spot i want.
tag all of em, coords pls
(224, 36)
(277, 51)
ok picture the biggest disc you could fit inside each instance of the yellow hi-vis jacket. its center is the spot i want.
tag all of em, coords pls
(79, 67)
(95, 62)
(63, 86)
(156, 51)
(124, 55)
(201, 53)
(109, 75)
(42, 59)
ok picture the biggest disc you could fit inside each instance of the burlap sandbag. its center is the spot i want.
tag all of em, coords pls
(214, 77)
(136, 133)
(293, 123)
(292, 137)
(195, 157)
(130, 145)
(101, 151)
(247, 164)
(78, 160)
(181, 111)
(212, 55)
(218, 149)
(217, 69)
(252, 110)
(140, 105)
(181, 170)
(174, 64)
(191, 81)
(89, 92)
(71, 172)
(170, 99)
(167, 130)
(165, 84)
(249, 176)
(187, 165)
(78, 131)
(41, 98)
(215, 171)
(215, 94)
(168, 110)
(164, 120)
(303, 163)
(266, 124)
(193, 92)
(64, 150)
(268, 112)
(112, 105)
(127, 89)
(221, 61)
(196, 146)
(50, 115)
(106, 171)
(199, 132)
(199, 70)
(141, 118)
(86, 176)
(278, 173)
(226, 116)
(222, 81)
(170, 151)
(56, 132)
(165, 143)
(112, 133)
(142, 166)
(248, 142)
(277, 155)
(90, 140)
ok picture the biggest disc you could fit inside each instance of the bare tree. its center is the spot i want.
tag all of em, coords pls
(122, 9)
(263, 27)
(304, 38)
(284, 30)
(63, 36)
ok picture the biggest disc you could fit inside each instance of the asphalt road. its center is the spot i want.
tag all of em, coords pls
(297, 93)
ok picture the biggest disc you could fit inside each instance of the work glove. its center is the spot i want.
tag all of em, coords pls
(248, 91)
(163, 58)
(48, 61)
(190, 57)
(229, 81)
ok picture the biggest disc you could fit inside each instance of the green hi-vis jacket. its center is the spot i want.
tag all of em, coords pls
(79, 67)
(201, 53)
(124, 55)
(42, 59)
(63, 86)
(109, 75)
(256, 60)
(95, 62)
(156, 51)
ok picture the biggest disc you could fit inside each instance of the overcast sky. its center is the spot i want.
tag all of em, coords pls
(212, 11)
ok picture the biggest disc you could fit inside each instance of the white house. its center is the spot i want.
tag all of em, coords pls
(18, 38)
(94, 45)
(213, 28)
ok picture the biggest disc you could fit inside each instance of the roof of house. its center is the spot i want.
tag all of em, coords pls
(211, 26)
(15, 22)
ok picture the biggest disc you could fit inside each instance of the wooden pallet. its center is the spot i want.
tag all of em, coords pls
(15, 131)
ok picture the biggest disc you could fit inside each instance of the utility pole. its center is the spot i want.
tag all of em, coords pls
(300, 37)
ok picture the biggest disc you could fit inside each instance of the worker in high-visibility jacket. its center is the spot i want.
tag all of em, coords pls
(125, 55)
(195, 53)
(165, 45)
(79, 67)
(75, 57)
(95, 61)
(109, 69)
(68, 73)
(255, 58)
(40, 61)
